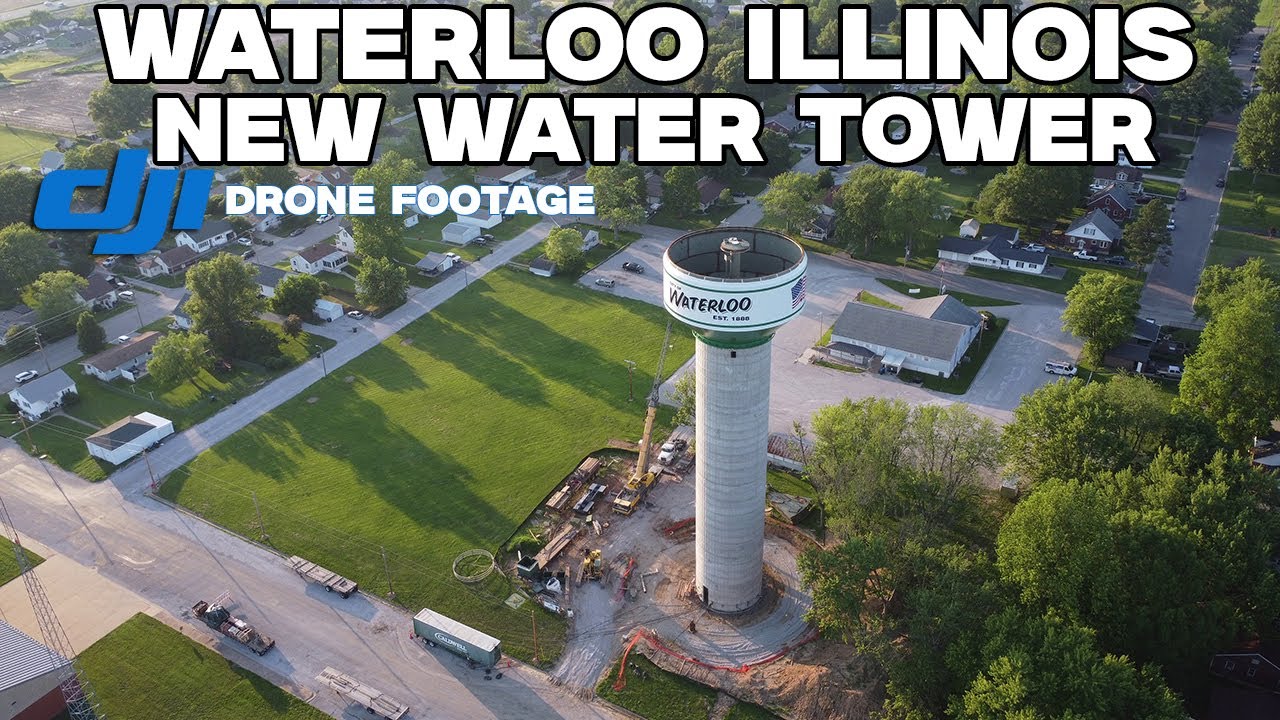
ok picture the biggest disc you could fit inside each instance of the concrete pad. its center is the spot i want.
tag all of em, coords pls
(88, 605)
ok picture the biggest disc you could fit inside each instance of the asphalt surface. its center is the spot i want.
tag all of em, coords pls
(1171, 287)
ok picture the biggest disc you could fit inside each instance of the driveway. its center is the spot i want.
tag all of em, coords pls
(1171, 288)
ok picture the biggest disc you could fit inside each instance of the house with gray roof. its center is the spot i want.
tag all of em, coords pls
(41, 396)
(268, 278)
(929, 336)
(181, 319)
(122, 440)
(1114, 200)
(213, 233)
(1095, 232)
(993, 253)
(30, 676)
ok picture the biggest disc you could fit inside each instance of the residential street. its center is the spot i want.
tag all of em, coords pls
(171, 559)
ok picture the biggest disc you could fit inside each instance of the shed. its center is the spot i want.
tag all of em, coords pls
(30, 676)
(459, 233)
(542, 267)
(327, 310)
(434, 263)
(120, 441)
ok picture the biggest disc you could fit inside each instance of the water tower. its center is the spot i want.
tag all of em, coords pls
(734, 286)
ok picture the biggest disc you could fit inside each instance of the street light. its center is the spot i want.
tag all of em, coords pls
(324, 371)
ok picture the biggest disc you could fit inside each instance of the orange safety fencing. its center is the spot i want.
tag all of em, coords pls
(655, 642)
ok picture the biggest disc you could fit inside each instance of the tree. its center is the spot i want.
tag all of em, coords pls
(224, 299)
(292, 326)
(1268, 75)
(1027, 194)
(17, 198)
(685, 395)
(776, 148)
(1211, 88)
(116, 108)
(788, 201)
(731, 73)
(564, 248)
(1219, 284)
(1149, 232)
(1100, 309)
(1073, 430)
(912, 199)
(179, 357)
(381, 235)
(90, 337)
(24, 255)
(296, 295)
(860, 205)
(1258, 142)
(281, 176)
(1229, 379)
(680, 190)
(382, 283)
(54, 296)
(620, 194)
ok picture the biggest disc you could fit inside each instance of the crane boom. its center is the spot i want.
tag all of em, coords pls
(642, 462)
(82, 703)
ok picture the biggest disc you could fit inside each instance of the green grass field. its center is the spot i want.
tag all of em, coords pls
(144, 670)
(1160, 187)
(9, 560)
(448, 436)
(1232, 248)
(876, 300)
(1238, 204)
(596, 255)
(657, 694)
(928, 292)
(962, 378)
(23, 147)
(1074, 271)
(693, 221)
(62, 439)
(19, 63)
(748, 711)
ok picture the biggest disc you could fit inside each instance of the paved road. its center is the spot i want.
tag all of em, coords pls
(149, 307)
(1171, 288)
(172, 560)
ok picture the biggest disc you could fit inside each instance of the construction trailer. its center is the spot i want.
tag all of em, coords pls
(329, 580)
(373, 701)
(217, 617)
(436, 629)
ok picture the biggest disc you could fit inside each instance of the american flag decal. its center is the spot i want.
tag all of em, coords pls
(797, 292)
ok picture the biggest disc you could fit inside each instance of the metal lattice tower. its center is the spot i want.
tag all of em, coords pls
(82, 703)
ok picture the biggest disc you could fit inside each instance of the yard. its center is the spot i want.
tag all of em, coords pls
(442, 439)
(657, 694)
(23, 147)
(595, 255)
(694, 221)
(927, 291)
(9, 560)
(1074, 271)
(975, 357)
(1232, 248)
(1240, 209)
(144, 670)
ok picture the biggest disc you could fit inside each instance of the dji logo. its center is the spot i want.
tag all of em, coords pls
(130, 200)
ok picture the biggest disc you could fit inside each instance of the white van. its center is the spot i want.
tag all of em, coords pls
(1060, 368)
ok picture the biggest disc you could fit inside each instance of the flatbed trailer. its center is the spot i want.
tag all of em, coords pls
(373, 701)
(217, 617)
(331, 581)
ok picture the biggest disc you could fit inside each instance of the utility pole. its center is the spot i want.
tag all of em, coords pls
(138, 309)
(45, 355)
(324, 370)
(146, 457)
(27, 431)
(631, 376)
(386, 567)
(533, 615)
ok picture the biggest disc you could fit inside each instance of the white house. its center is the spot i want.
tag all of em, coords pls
(992, 253)
(321, 257)
(264, 222)
(122, 440)
(169, 262)
(327, 310)
(51, 160)
(411, 216)
(929, 336)
(434, 263)
(181, 320)
(344, 240)
(590, 240)
(127, 360)
(459, 233)
(43, 394)
(98, 294)
(212, 234)
(481, 218)
(268, 278)
(1094, 231)
(542, 267)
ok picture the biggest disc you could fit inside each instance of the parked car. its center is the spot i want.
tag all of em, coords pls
(248, 254)
(324, 219)
(26, 376)
(245, 241)
(1120, 260)
(1222, 182)
(120, 284)
(122, 339)
(1083, 255)
(1034, 247)
(636, 268)
(1171, 226)
(355, 314)
(1173, 371)
(1060, 368)
(1182, 193)
(297, 232)
(606, 282)
(126, 294)
(453, 256)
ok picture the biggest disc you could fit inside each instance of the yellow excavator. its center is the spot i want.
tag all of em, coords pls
(591, 567)
(634, 492)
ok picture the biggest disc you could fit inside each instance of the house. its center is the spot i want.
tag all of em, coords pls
(169, 262)
(181, 319)
(42, 395)
(327, 310)
(590, 240)
(820, 228)
(1095, 232)
(481, 218)
(971, 228)
(120, 441)
(494, 174)
(127, 360)
(227, 173)
(1130, 356)
(344, 240)
(264, 222)
(1115, 201)
(1246, 682)
(139, 138)
(334, 176)
(785, 123)
(434, 263)
(709, 190)
(411, 216)
(212, 234)
(1129, 178)
(98, 294)
(267, 279)
(929, 336)
(1000, 254)
(31, 678)
(1145, 331)
(542, 267)
(51, 160)
(321, 257)
(18, 315)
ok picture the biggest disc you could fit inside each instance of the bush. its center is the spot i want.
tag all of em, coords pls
(70, 400)
(275, 362)
(257, 344)
(11, 407)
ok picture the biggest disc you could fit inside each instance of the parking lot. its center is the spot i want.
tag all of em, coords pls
(1016, 366)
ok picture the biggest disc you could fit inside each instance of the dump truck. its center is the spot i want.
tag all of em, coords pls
(633, 493)
(436, 629)
(219, 618)
(329, 580)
